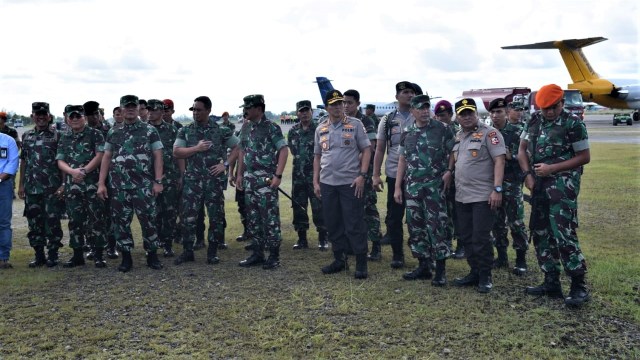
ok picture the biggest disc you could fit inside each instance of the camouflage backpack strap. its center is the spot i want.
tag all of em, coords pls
(387, 128)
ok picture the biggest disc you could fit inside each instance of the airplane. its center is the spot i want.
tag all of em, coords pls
(382, 108)
(593, 88)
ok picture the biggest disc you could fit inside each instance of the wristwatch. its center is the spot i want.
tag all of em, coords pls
(158, 181)
(363, 174)
(498, 189)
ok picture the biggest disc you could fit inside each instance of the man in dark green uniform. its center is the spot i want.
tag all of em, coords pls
(554, 147)
(300, 139)
(133, 162)
(79, 155)
(41, 186)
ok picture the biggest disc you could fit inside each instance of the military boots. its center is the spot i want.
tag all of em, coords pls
(256, 258)
(127, 262)
(521, 263)
(273, 261)
(52, 258)
(323, 241)
(76, 260)
(502, 261)
(485, 283)
(153, 261)
(578, 295)
(339, 263)
(361, 267)
(376, 251)
(422, 272)
(40, 258)
(212, 253)
(98, 259)
(440, 279)
(471, 279)
(186, 256)
(302, 241)
(551, 286)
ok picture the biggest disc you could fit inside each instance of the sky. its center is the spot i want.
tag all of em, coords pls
(69, 52)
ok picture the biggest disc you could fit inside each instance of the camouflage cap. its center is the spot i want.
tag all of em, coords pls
(420, 101)
(333, 97)
(252, 100)
(74, 109)
(303, 104)
(128, 99)
(37, 107)
(497, 103)
(371, 107)
(155, 104)
(465, 104)
(90, 107)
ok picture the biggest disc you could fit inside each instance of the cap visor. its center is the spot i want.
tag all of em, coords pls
(467, 107)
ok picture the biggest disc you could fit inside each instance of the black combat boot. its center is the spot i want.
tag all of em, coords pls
(339, 263)
(76, 260)
(385, 240)
(323, 241)
(212, 253)
(112, 252)
(127, 262)
(470, 280)
(186, 256)
(422, 272)
(485, 283)
(91, 254)
(361, 267)
(502, 261)
(40, 258)
(521, 263)
(376, 251)
(459, 253)
(273, 261)
(222, 245)
(98, 259)
(397, 261)
(241, 237)
(52, 258)
(578, 295)
(153, 261)
(256, 258)
(302, 241)
(440, 279)
(168, 251)
(551, 286)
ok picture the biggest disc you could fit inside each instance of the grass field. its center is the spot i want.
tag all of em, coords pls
(224, 311)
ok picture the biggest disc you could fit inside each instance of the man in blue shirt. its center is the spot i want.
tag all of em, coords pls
(8, 169)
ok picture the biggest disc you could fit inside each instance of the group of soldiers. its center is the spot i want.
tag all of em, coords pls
(453, 179)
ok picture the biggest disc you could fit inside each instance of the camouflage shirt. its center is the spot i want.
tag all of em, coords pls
(197, 165)
(260, 143)
(11, 132)
(426, 151)
(551, 142)
(39, 149)
(301, 146)
(104, 128)
(131, 147)
(229, 125)
(168, 135)
(511, 135)
(77, 150)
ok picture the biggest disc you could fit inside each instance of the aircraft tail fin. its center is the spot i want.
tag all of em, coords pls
(572, 55)
(324, 85)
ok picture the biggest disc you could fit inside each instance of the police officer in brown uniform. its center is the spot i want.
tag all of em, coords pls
(478, 157)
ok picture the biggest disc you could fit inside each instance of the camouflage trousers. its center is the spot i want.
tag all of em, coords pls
(86, 219)
(263, 213)
(511, 216)
(167, 214)
(427, 220)
(303, 194)
(124, 202)
(197, 193)
(371, 214)
(554, 221)
(43, 217)
(451, 227)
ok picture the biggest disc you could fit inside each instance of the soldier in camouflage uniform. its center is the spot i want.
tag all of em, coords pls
(133, 162)
(300, 139)
(95, 119)
(118, 117)
(423, 164)
(79, 155)
(167, 201)
(553, 148)
(203, 144)
(263, 156)
(444, 113)
(41, 186)
(371, 215)
(510, 215)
